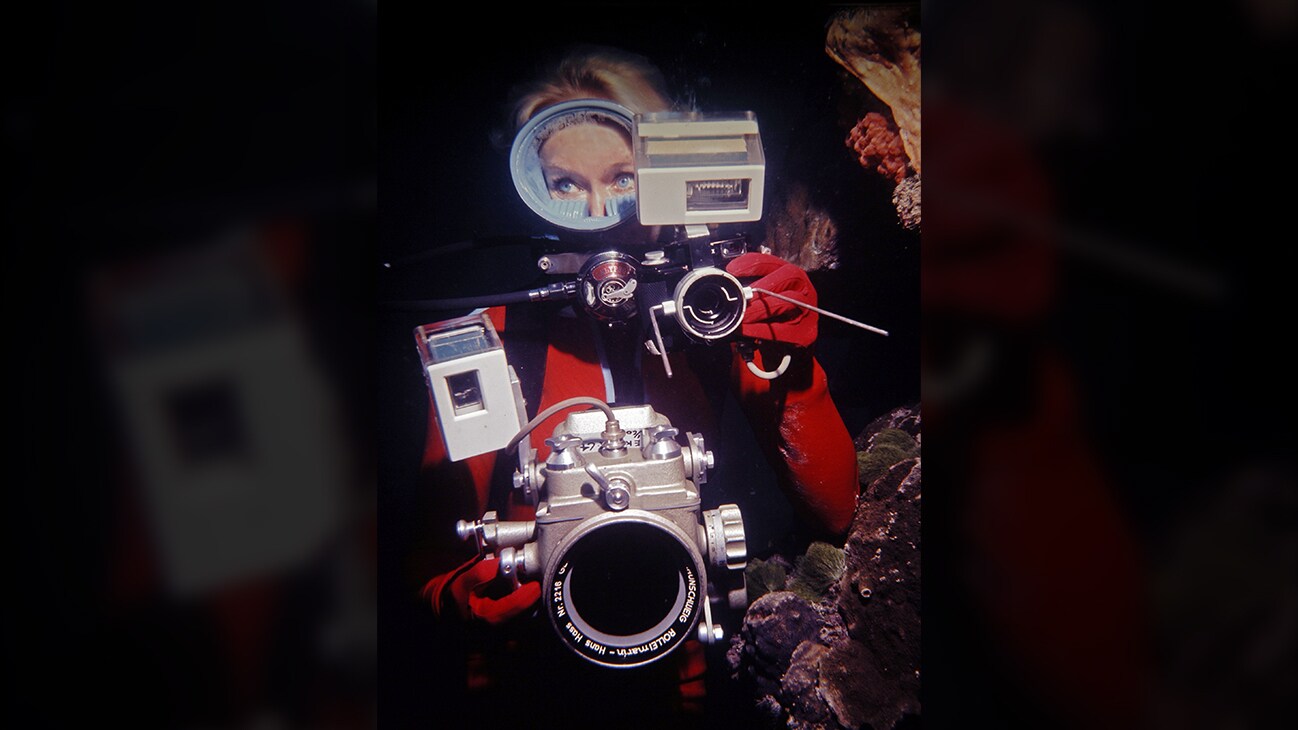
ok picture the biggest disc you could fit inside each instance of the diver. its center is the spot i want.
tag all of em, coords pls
(580, 172)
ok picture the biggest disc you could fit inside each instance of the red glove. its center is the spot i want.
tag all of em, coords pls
(793, 416)
(803, 436)
(475, 593)
(769, 318)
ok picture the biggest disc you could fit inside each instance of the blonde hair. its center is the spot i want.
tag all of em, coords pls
(594, 72)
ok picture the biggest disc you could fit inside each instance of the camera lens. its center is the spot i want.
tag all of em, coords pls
(707, 300)
(625, 579)
(709, 304)
(626, 592)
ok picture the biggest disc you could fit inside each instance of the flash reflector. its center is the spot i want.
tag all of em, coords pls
(697, 168)
(476, 394)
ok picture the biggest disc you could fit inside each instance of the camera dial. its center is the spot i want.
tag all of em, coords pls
(607, 286)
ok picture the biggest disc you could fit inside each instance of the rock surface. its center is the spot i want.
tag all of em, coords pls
(852, 659)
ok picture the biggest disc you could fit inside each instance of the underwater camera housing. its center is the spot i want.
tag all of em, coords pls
(692, 172)
(682, 289)
(629, 562)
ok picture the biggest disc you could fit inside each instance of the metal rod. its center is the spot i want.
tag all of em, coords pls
(818, 310)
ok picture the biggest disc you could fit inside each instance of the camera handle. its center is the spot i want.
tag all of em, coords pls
(746, 351)
(710, 633)
(659, 349)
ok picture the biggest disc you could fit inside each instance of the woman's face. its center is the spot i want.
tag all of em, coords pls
(589, 162)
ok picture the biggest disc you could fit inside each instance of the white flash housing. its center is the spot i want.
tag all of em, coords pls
(476, 393)
(697, 168)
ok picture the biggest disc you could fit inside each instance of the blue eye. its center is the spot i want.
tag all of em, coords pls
(565, 188)
(625, 181)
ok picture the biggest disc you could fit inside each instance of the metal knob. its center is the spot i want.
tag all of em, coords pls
(700, 459)
(654, 258)
(662, 444)
(565, 452)
(727, 543)
(465, 529)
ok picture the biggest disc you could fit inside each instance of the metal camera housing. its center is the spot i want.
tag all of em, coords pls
(678, 293)
(628, 560)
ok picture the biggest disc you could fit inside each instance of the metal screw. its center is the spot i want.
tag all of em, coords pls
(617, 497)
(710, 634)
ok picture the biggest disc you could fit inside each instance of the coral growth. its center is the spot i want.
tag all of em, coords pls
(888, 447)
(880, 47)
(906, 199)
(765, 576)
(878, 147)
(816, 570)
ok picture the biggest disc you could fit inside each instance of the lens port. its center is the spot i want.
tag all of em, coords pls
(626, 592)
(710, 304)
